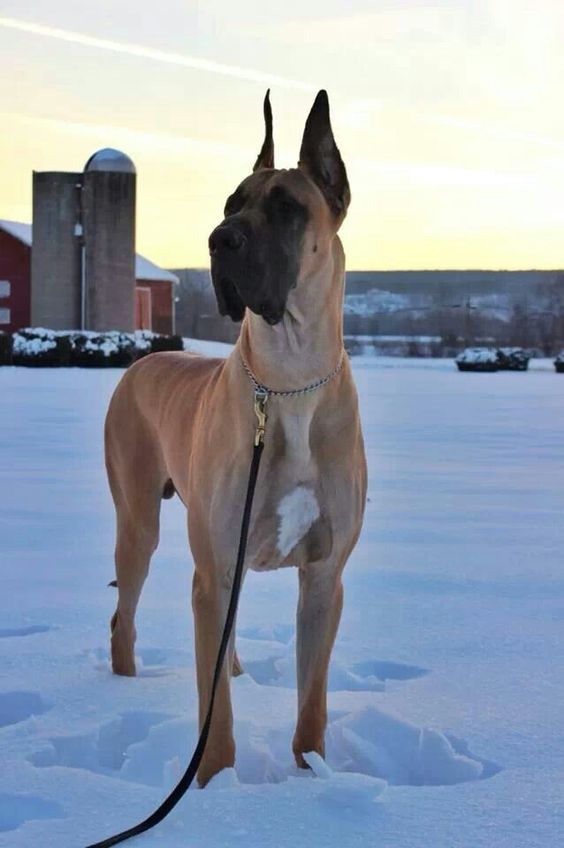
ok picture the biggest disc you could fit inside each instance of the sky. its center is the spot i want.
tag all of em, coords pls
(448, 116)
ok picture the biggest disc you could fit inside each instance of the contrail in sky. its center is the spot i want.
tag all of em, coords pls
(142, 52)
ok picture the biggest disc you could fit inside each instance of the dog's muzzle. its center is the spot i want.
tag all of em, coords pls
(238, 277)
(227, 241)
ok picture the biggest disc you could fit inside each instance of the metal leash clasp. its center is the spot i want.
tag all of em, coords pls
(261, 397)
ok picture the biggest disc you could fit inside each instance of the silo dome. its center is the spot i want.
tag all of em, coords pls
(109, 159)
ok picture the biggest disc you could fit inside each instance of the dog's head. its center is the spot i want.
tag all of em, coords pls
(279, 224)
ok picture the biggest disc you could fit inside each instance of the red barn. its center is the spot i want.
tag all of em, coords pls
(155, 287)
(15, 275)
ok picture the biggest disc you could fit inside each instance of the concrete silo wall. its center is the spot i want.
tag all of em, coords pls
(108, 202)
(55, 257)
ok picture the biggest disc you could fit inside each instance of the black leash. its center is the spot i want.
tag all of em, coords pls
(261, 397)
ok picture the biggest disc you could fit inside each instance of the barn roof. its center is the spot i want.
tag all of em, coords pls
(144, 268)
(147, 270)
(20, 231)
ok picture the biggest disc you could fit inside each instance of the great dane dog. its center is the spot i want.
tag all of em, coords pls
(180, 422)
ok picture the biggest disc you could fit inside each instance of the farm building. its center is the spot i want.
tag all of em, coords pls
(155, 292)
(76, 267)
(15, 275)
(154, 286)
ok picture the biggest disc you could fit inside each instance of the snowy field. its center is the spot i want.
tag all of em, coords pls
(447, 686)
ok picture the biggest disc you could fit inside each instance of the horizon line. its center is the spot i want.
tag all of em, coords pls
(449, 270)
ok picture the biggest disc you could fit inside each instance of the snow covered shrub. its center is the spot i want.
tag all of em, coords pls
(143, 341)
(161, 343)
(512, 359)
(148, 342)
(83, 348)
(493, 359)
(98, 350)
(477, 359)
(5, 349)
(559, 363)
(37, 346)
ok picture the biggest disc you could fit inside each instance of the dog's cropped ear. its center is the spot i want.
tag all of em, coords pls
(265, 158)
(320, 158)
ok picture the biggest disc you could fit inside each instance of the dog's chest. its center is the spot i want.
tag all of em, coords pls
(290, 516)
(290, 529)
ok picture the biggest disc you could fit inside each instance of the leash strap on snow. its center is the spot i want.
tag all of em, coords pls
(187, 778)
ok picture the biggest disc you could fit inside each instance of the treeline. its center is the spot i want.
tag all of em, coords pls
(456, 308)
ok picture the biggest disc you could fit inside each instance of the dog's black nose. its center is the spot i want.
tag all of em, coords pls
(226, 237)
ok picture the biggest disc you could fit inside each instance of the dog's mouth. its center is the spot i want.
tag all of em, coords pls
(232, 300)
(229, 302)
(269, 313)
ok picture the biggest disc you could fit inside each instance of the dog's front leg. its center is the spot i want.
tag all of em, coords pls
(210, 599)
(319, 612)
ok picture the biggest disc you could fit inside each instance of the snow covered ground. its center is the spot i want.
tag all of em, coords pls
(447, 680)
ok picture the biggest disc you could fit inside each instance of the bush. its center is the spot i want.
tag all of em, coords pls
(5, 349)
(148, 342)
(477, 359)
(512, 359)
(101, 350)
(162, 343)
(38, 347)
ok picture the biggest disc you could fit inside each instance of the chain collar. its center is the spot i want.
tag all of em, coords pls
(264, 390)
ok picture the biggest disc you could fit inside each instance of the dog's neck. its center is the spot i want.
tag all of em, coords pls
(308, 343)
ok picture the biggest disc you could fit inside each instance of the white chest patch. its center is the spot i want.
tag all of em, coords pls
(297, 512)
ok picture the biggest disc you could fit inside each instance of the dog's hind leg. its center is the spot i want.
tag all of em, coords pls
(136, 480)
(319, 612)
(135, 545)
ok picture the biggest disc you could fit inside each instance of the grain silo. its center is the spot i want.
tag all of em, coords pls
(56, 251)
(83, 255)
(108, 221)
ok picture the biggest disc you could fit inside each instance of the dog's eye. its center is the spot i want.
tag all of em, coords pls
(282, 204)
(288, 205)
(234, 204)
